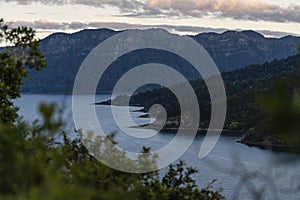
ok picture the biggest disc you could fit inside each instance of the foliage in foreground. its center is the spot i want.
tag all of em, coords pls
(39, 161)
(35, 166)
(24, 53)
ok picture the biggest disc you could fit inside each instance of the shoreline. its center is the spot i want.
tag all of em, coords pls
(200, 130)
(274, 147)
(173, 130)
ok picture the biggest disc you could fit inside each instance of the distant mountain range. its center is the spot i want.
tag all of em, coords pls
(230, 50)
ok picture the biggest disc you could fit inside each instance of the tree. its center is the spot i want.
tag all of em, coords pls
(35, 165)
(23, 52)
(280, 105)
(177, 183)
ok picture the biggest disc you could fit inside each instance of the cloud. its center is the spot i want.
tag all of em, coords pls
(211, 6)
(236, 9)
(45, 26)
(40, 24)
(58, 2)
(255, 10)
(123, 5)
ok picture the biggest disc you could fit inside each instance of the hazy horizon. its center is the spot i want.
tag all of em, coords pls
(272, 18)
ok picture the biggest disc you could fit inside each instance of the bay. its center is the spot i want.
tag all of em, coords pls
(243, 172)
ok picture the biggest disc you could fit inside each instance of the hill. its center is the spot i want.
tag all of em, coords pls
(243, 113)
(230, 50)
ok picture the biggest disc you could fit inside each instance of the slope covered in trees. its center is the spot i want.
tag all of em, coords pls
(242, 87)
(230, 50)
(35, 165)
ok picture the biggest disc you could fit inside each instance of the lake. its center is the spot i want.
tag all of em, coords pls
(241, 171)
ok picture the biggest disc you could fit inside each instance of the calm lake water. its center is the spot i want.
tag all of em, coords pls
(240, 170)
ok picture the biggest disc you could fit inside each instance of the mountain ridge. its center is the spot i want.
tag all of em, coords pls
(230, 50)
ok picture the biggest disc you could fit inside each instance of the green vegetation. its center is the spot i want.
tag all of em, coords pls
(263, 101)
(36, 164)
(279, 128)
(230, 50)
(243, 111)
(13, 62)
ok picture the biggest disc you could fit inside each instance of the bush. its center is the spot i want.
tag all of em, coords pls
(34, 164)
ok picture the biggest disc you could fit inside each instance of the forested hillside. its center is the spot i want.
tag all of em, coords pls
(242, 85)
(231, 50)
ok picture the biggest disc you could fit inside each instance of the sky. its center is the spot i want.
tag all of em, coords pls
(273, 18)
